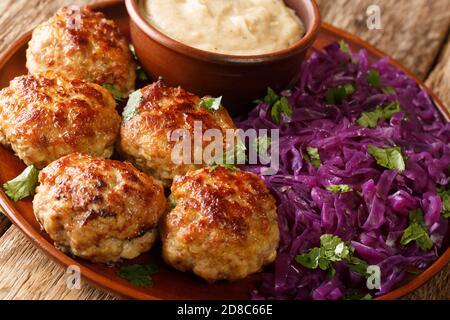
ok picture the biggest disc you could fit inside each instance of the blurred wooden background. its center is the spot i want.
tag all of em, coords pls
(415, 32)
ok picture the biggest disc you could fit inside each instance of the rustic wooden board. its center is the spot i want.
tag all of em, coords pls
(439, 78)
(27, 274)
(414, 32)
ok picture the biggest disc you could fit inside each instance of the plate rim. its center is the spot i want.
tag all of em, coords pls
(102, 281)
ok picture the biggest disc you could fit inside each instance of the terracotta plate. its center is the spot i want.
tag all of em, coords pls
(169, 284)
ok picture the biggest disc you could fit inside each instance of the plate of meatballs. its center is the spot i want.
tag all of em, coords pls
(102, 181)
(88, 172)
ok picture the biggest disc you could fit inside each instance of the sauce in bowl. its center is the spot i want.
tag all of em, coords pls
(235, 27)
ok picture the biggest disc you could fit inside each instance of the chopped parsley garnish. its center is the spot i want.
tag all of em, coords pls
(343, 45)
(140, 74)
(389, 90)
(137, 274)
(211, 104)
(313, 156)
(231, 167)
(417, 231)
(24, 185)
(172, 202)
(270, 98)
(240, 152)
(340, 188)
(131, 108)
(445, 198)
(370, 119)
(280, 107)
(339, 94)
(262, 144)
(117, 94)
(373, 78)
(332, 249)
(233, 157)
(390, 158)
(355, 295)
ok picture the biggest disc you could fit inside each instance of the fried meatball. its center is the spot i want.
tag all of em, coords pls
(223, 224)
(82, 44)
(145, 137)
(97, 209)
(43, 118)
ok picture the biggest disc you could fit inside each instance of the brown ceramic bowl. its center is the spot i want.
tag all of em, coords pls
(239, 79)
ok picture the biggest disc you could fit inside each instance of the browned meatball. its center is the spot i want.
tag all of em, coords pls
(100, 210)
(43, 118)
(82, 44)
(145, 136)
(223, 224)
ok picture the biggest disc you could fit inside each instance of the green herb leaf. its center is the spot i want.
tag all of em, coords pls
(313, 156)
(332, 249)
(413, 272)
(358, 266)
(240, 152)
(131, 108)
(417, 231)
(389, 90)
(172, 202)
(234, 157)
(340, 188)
(310, 259)
(374, 79)
(343, 45)
(140, 74)
(276, 114)
(262, 144)
(271, 97)
(117, 94)
(280, 107)
(24, 185)
(231, 167)
(137, 274)
(331, 272)
(211, 104)
(390, 158)
(370, 119)
(339, 94)
(355, 295)
(445, 198)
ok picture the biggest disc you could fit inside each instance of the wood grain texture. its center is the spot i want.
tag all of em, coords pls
(19, 16)
(27, 274)
(439, 78)
(413, 32)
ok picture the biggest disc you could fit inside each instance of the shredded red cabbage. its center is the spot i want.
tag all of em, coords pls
(374, 215)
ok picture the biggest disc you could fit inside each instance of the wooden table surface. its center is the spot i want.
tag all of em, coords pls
(415, 32)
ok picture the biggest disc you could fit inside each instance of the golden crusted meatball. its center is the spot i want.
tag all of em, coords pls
(44, 118)
(97, 209)
(82, 44)
(145, 136)
(223, 224)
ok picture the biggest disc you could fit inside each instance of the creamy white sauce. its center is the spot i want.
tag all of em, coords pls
(236, 27)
